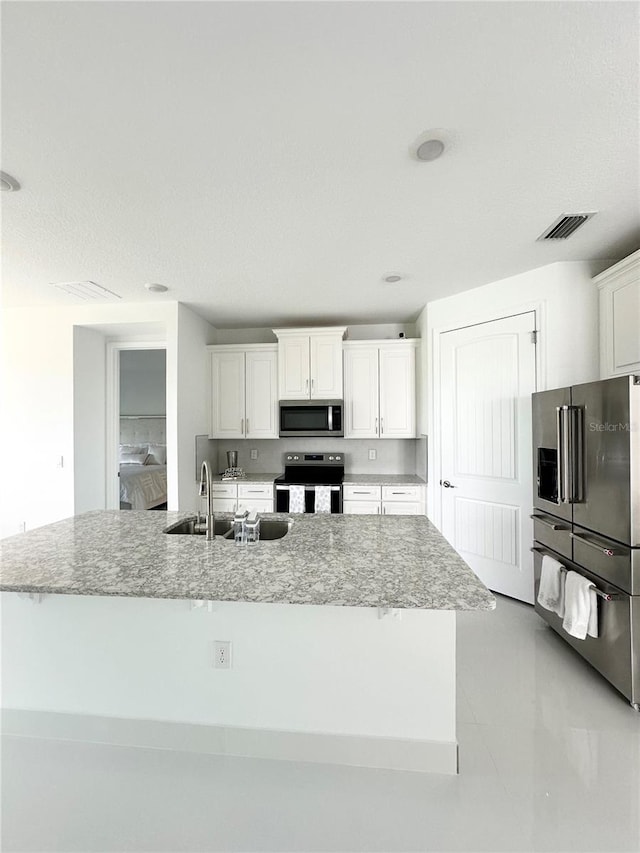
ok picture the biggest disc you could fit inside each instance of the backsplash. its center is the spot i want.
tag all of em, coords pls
(393, 456)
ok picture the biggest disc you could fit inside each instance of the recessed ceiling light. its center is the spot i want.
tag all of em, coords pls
(429, 150)
(156, 288)
(392, 278)
(8, 184)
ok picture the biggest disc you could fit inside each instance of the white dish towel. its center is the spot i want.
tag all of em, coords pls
(580, 607)
(323, 499)
(296, 499)
(551, 591)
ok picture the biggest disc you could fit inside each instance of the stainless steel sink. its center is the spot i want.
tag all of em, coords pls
(270, 529)
(190, 527)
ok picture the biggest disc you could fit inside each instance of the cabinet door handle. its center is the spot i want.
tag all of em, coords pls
(313, 382)
(381, 426)
(376, 429)
(247, 426)
(241, 426)
(306, 386)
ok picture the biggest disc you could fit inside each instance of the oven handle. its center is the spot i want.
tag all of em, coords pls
(285, 488)
(604, 595)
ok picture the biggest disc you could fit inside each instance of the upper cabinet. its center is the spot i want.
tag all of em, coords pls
(619, 288)
(244, 394)
(310, 363)
(380, 392)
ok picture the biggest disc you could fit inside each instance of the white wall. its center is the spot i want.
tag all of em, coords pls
(89, 417)
(37, 421)
(192, 400)
(339, 670)
(566, 304)
(143, 382)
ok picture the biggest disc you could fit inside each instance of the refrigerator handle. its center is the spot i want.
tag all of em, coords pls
(561, 441)
(575, 414)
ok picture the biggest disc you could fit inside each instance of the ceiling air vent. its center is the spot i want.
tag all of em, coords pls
(565, 226)
(87, 290)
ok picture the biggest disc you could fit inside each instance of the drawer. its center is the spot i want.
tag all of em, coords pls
(361, 493)
(224, 490)
(402, 493)
(553, 532)
(256, 491)
(616, 563)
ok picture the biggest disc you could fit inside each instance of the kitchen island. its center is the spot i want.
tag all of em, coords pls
(342, 637)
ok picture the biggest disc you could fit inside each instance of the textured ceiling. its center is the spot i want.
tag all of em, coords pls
(256, 157)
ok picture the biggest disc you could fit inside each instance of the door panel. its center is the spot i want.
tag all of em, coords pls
(606, 507)
(397, 392)
(293, 368)
(227, 395)
(261, 394)
(487, 376)
(326, 367)
(361, 392)
(546, 453)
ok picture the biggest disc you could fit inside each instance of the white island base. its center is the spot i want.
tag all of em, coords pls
(345, 685)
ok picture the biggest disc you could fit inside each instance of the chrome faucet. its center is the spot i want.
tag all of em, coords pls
(205, 489)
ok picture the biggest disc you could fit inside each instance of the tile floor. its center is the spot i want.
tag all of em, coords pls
(549, 760)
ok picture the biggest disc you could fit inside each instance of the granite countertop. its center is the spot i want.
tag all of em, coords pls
(346, 560)
(382, 480)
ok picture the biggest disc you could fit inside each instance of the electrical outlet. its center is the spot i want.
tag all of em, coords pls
(372, 454)
(254, 454)
(222, 654)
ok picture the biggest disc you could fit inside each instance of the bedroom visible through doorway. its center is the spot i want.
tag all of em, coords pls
(142, 440)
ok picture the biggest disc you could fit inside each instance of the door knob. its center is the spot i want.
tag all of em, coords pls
(446, 484)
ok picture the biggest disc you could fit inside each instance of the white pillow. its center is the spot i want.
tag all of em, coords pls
(157, 454)
(129, 449)
(134, 458)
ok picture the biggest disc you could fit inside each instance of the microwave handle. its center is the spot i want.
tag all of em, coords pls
(330, 417)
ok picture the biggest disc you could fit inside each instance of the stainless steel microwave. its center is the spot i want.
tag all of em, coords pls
(311, 418)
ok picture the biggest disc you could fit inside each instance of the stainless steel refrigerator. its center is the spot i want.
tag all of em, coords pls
(586, 458)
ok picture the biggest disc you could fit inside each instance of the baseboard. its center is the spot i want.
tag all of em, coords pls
(354, 750)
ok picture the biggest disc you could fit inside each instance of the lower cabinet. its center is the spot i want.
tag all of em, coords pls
(229, 497)
(383, 500)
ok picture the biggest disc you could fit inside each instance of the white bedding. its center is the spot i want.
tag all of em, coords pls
(143, 486)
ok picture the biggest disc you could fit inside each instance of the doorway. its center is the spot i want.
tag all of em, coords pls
(487, 375)
(136, 425)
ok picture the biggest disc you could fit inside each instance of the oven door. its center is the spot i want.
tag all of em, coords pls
(282, 498)
(615, 652)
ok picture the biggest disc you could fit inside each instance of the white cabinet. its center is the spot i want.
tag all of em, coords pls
(310, 363)
(230, 496)
(383, 500)
(380, 392)
(619, 288)
(256, 497)
(244, 395)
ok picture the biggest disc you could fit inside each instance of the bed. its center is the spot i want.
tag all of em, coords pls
(143, 462)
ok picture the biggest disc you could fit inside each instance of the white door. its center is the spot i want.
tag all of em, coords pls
(326, 367)
(293, 367)
(261, 406)
(487, 376)
(397, 392)
(227, 395)
(361, 392)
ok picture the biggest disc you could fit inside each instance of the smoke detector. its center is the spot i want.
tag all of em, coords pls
(565, 225)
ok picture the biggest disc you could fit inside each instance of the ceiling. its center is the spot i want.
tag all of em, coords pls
(256, 158)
